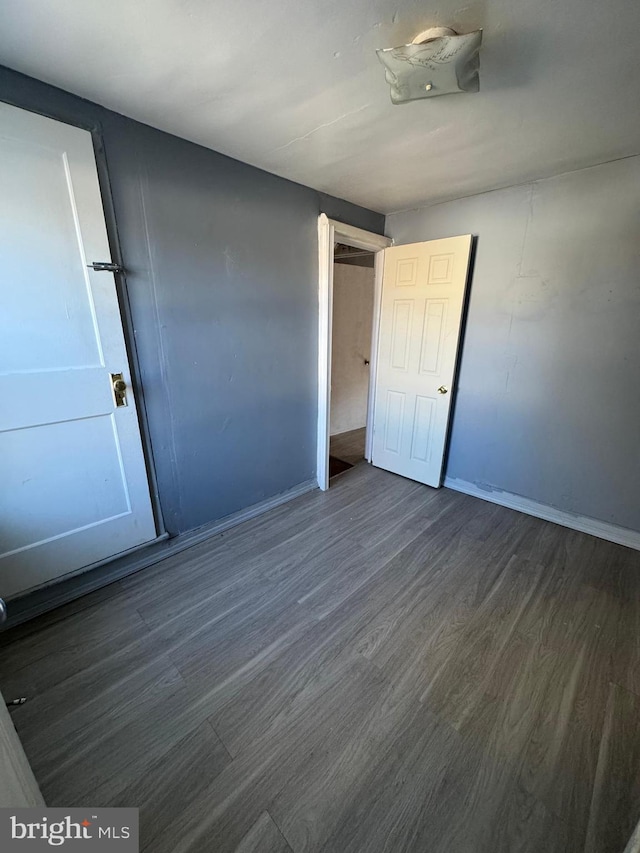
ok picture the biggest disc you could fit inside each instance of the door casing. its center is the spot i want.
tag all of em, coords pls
(331, 231)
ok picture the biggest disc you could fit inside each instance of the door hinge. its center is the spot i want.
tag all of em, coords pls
(105, 266)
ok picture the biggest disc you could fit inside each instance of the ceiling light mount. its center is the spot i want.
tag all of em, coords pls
(433, 33)
(438, 61)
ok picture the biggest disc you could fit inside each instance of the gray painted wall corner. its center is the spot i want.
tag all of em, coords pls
(221, 263)
(546, 407)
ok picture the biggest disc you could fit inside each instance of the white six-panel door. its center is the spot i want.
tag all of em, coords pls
(423, 289)
(73, 484)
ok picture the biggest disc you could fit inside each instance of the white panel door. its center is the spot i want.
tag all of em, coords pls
(73, 483)
(423, 288)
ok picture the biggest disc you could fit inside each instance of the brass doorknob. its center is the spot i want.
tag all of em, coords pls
(119, 389)
(442, 389)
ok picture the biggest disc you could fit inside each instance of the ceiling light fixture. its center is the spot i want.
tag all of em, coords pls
(438, 61)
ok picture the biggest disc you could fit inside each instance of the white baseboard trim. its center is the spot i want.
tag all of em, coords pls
(601, 529)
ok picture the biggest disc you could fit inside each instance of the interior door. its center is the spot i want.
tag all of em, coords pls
(73, 483)
(423, 290)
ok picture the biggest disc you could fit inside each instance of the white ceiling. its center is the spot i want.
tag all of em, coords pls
(295, 87)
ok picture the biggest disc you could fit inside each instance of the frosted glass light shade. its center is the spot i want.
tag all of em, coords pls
(439, 66)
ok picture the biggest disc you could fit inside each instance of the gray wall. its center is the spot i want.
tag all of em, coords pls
(221, 263)
(549, 393)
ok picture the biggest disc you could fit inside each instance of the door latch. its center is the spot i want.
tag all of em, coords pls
(105, 266)
(119, 388)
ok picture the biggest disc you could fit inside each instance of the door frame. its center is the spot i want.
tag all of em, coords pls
(126, 318)
(331, 231)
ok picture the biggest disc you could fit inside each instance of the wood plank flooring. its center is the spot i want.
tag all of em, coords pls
(348, 446)
(380, 667)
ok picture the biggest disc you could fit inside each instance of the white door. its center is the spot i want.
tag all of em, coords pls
(423, 288)
(73, 484)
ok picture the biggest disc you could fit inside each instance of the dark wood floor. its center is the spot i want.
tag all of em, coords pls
(381, 667)
(348, 446)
